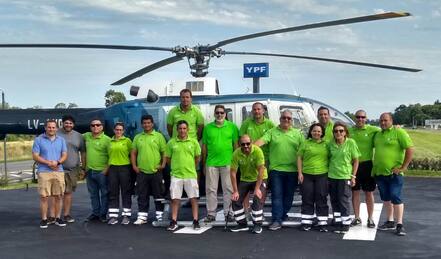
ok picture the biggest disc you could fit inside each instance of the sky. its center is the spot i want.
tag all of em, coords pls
(45, 77)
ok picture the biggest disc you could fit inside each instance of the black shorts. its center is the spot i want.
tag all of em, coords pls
(364, 180)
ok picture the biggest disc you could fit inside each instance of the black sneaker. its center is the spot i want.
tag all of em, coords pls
(196, 225)
(43, 223)
(173, 226)
(239, 228)
(323, 229)
(69, 219)
(305, 227)
(257, 229)
(356, 222)
(50, 220)
(399, 231)
(59, 222)
(388, 225)
(209, 219)
(92, 217)
(370, 223)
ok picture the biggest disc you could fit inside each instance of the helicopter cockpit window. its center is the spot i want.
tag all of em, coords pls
(229, 116)
(298, 117)
(246, 112)
(195, 86)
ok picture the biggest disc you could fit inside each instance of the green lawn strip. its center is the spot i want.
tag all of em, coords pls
(426, 143)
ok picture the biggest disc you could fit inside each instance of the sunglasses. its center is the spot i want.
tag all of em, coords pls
(219, 113)
(339, 131)
(95, 125)
(360, 117)
(285, 118)
(245, 144)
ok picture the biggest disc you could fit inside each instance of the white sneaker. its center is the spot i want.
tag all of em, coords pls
(140, 222)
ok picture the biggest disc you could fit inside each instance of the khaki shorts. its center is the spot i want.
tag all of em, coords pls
(71, 179)
(51, 183)
(190, 186)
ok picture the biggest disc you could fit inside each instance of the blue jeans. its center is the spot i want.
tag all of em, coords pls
(390, 188)
(97, 187)
(283, 185)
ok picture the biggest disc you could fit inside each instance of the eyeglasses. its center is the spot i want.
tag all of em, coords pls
(285, 118)
(339, 131)
(360, 117)
(245, 144)
(95, 125)
(118, 129)
(219, 113)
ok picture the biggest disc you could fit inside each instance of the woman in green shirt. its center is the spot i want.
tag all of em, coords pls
(119, 177)
(312, 163)
(343, 166)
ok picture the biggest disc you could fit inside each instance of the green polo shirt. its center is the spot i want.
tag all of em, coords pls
(96, 151)
(149, 147)
(256, 131)
(364, 137)
(329, 132)
(390, 146)
(193, 117)
(119, 151)
(283, 147)
(314, 156)
(182, 154)
(219, 141)
(248, 164)
(341, 156)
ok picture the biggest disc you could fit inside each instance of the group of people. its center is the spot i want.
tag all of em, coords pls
(333, 159)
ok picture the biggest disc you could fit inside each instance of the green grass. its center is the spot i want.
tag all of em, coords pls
(427, 143)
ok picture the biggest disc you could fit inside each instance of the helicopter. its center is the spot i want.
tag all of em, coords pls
(198, 57)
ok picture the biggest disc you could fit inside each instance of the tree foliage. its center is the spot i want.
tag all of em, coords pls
(111, 97)
(416, 114)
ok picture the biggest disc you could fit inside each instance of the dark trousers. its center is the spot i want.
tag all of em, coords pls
(340, 192)
(315, 198)
(119, 180)
(257, 207)
(149, 185)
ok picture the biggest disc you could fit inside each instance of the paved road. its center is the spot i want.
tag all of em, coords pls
(17, 170)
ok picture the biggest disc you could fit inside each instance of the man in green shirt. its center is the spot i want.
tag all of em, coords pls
(325, 120)
(284, 142)
(183, 154)
(363, 134)
(96, 165)
(147, 160)
(393, 153)
(188, 112)
(249, 159)
(219, 139)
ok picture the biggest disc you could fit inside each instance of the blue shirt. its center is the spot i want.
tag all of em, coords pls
(49, 150)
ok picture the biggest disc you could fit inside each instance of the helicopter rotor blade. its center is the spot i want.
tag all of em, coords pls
(147, 69)
(367, 18)
(85, 46)
(406, 69)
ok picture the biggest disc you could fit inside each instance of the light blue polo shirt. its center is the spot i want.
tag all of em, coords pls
(49, 150)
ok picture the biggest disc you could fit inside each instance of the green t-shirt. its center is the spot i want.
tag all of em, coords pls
(219, 142)
(193, 117)
(96, 151)
(364, 137)
(182, 154)
(314, 156)
(256, 131)
(149, 147)
(248, 164)
(119, 151)
(341, 156)
(390, 146)
(329, 132)
(283, 147)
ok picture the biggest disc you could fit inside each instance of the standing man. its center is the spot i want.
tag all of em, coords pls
(147, 157)
(97, 144)
(325, 120)
(188, 112)
(72, 168)
(219, 140)
(284, 142)
(183, 153)
(363, 134)
(249, 158)
(50, 151)
(393, 153)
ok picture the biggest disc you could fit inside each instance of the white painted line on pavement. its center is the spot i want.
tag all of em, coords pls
(190, 230)
(363, 232)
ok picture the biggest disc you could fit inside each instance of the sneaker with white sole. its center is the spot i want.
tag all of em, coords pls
(388, 225)
(69, 219)
(370, 223)
(257, 229)
(173, 226)
(112, 221)
(275, 226)
(125, 220)
(239, 228)
(140, 222)
(43, 223)
(59, 222)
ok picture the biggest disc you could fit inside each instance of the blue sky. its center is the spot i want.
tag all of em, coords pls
(45, 77)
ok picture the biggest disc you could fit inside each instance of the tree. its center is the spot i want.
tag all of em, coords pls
(112, 97)
(60, 106)
(72, 105)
